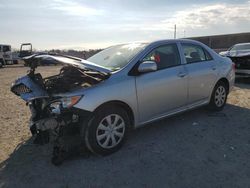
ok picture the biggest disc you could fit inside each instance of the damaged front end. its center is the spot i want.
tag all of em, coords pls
(53, 116)
(242, 64)
(240, 56)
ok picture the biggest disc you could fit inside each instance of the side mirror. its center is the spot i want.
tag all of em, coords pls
(147, 66)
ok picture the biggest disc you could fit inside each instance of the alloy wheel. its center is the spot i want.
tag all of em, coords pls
(110, 131)
(220, 96)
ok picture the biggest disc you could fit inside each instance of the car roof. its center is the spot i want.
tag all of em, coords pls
(155, 42)
(177, 40)
(161, 41)
(241, 44)
(194, 42)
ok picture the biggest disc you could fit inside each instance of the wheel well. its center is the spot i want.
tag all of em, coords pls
(226, 82)
(120, 104)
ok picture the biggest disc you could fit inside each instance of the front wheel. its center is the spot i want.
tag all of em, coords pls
(219, 97)
(107, 130)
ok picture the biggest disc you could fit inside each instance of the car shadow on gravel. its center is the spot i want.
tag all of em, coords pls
(194, 149)
(243, 83)
(14, 66)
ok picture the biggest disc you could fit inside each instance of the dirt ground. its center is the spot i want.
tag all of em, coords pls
(193, 149)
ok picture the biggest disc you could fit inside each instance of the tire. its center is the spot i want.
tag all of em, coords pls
(58, 156)
(1, 63)
(103, 136)
(219, 97)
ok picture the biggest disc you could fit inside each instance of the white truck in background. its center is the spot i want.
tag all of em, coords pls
(5, 55)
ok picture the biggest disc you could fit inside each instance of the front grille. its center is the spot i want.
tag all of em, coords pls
(20, 89)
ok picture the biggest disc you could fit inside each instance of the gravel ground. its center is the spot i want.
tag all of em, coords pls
(194, 149)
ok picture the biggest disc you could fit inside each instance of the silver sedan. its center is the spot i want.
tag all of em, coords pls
(150, 81)
(123, 87)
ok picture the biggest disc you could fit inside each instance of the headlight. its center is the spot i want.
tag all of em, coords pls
(68, 102)
(65, 102)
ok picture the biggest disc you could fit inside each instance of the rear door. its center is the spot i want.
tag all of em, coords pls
(201, 72)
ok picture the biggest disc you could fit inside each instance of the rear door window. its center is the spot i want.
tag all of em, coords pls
(194, 53)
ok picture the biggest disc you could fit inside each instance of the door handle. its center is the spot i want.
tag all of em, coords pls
(182, 74)
(213, 67)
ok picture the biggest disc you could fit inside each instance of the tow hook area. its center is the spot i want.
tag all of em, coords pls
(63, 131)
(44, 129)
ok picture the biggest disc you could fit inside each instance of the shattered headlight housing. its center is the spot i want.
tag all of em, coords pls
(65, 102)
(68, 102)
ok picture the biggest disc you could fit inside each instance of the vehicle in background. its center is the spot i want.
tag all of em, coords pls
(15, 57)
(5, 55)
(25, 50)
(240, 55)
(98, 100)
(26, 54)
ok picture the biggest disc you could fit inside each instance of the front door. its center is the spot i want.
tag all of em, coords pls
(164, 90)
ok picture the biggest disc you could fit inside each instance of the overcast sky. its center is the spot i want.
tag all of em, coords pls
(84, 24)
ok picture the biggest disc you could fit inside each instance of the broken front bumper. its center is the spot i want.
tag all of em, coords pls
(242, 72)
(50, 128)
(242, 64)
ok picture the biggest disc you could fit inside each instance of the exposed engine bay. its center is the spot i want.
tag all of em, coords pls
(240, 55)
(71, 75)
(71, 78)
(53, 117)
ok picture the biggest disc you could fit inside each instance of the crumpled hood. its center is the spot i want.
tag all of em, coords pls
(33, 91)
(33, 86)
(80, 63)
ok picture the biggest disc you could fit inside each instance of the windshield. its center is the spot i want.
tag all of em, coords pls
(116, 57)
(240, 47)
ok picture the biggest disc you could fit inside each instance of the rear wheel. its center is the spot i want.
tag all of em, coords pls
(107, 130)
(219, 97)
(1, 63)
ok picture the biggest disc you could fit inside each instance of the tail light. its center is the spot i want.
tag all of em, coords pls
(233, 66)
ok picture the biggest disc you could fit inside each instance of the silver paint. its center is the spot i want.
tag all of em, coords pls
(155, 95)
